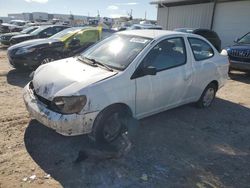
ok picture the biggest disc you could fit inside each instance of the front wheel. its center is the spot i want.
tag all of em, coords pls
(109, 125)
(46, 60)
(207, 96)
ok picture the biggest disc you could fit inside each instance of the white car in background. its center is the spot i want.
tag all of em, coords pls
(134, 73)
(14, 26)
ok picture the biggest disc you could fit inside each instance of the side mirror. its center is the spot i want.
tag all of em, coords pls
(149, 70)
(236, 40)
(143, 71)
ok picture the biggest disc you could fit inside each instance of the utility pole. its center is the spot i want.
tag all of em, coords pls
(145, 15)
(131, 15)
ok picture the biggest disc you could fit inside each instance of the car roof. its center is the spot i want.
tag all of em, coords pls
(77, 29)
(153, 34)
(187, 30)
(18, 21)
(147, 25)
(46, 26)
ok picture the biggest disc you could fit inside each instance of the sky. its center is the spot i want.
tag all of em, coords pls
(107, 8)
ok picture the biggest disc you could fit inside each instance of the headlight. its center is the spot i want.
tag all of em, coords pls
(24, 50)
(224, 52)
(69, 105)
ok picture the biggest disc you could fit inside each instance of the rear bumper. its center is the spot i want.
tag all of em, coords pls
(238, 65)
(67, 125)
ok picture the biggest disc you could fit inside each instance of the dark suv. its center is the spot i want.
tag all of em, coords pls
(5, 38)
(239, 54)
(41, 32)
(210, 35)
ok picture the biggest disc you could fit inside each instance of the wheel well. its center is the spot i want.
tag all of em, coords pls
(115, 105)
(215, 82)
(122, 106)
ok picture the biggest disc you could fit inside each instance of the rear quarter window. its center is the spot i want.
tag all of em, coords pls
(201, 49)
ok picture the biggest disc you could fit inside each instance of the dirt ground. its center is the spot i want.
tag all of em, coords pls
(183, 147)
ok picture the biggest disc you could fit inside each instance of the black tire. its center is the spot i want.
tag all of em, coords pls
(46, 60)
(104, 119)
(204, 102)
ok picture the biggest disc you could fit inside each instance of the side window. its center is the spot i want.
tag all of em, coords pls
(47, 32)
(201, 49)
(85, 38)
(89, 36)
(106, 34)
(167, 54)
(57, 29)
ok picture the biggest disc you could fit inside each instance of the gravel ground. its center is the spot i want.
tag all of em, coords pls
(183, 147)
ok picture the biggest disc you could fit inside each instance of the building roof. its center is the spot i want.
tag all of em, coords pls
(178, 1)
(184, 2)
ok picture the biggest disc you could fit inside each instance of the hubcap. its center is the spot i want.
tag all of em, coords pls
(46, 60)
(112, 127)
(208, 97)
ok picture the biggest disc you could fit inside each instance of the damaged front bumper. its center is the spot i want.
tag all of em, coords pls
(68, 125)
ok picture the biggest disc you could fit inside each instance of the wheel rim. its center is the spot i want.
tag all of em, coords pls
(46, 60)
(112, 127)
(208, 97)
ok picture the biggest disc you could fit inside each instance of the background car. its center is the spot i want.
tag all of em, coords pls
(69, 42)
(210, 35)
(5, 38)
(41, 32)
(13, 26)
(239, 54)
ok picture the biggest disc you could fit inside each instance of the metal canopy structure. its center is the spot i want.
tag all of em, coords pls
(169, 3)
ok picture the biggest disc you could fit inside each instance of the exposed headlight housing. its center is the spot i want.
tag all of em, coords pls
(25, 51)
(69, 105)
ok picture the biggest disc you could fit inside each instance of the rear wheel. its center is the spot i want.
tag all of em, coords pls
(207, 96)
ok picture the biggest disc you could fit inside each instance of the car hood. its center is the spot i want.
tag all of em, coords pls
(66, 77)
(22, 36)
(240, 47)
(33, 43)
(10, 25)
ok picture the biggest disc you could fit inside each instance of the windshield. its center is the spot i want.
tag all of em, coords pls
(28, 30)
(117, 51)
(65, 34)
(245, 39)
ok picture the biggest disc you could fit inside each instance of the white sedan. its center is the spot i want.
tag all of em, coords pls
(134, 73)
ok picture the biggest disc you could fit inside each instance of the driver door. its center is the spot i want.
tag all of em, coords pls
(169, 86)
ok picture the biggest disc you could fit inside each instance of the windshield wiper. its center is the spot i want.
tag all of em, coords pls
(99, 63)
(86, 61)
